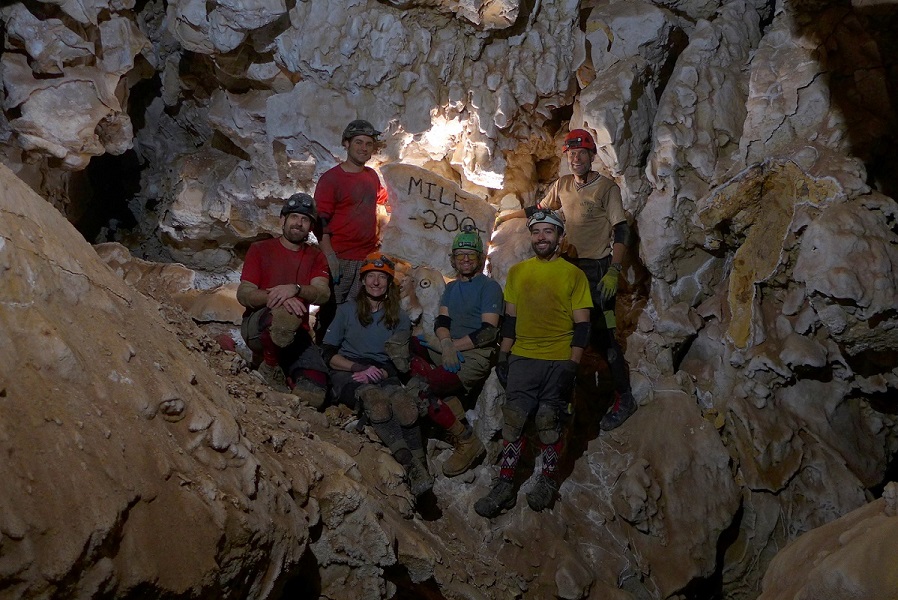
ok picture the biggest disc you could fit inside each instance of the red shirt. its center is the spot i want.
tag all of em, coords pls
(268, 263)
(347, 202)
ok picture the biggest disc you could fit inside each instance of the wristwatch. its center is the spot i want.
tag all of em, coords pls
(298, 289)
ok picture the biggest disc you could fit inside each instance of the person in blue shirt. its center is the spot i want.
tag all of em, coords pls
(467, 329)
(358, 349)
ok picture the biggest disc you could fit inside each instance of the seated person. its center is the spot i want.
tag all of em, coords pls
(281, 277)
(467, 327)
(357, 346)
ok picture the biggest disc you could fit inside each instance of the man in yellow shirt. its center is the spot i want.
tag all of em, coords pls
(545, 329)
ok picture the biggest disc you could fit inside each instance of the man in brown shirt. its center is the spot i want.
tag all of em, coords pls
(596, 225)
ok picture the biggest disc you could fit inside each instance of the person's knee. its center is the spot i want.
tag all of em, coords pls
(548, 425)
(514, 420)
(375, 403)
(404, 407)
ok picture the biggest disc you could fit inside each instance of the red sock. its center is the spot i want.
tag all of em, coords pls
(441, 414)
(319, 378)
(269, 349)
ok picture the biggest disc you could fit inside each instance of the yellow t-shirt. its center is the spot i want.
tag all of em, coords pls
(545, 295)
(589, 213)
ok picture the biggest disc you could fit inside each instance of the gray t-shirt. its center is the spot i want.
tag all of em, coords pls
(358, 342)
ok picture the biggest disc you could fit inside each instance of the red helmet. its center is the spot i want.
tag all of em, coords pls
(579, 138)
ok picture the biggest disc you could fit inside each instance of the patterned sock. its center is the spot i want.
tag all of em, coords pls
(550, 454)
(511, 454)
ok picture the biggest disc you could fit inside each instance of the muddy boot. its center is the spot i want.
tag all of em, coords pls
(309, 393)
(542, 493)
(502, 497)
(283, 327)
(273, 376)
(420, 481)
(466, 448)
(624, 406)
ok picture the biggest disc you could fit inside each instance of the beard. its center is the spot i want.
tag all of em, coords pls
(468, 270)
(295, 235)
(547, 252)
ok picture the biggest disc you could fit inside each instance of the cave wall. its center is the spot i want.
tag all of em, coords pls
(752, 141)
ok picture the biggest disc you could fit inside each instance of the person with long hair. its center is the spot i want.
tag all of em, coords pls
(362, 346)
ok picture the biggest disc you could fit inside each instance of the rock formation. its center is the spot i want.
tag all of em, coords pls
(752, 141)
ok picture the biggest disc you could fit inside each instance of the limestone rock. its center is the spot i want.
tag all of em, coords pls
(108, 395)
(851, 557)
(853, 233)
(428, 212)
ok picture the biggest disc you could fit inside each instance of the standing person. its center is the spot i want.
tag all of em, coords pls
(546, 327)
(597, 227)
(347, 196)
(356, 347)
(281, 277)
(468, 328)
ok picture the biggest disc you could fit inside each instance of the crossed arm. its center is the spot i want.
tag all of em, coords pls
(294, 298)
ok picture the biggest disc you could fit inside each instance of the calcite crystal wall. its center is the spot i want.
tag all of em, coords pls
(753, 144)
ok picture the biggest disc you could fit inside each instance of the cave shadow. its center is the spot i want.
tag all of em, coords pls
(857, 49)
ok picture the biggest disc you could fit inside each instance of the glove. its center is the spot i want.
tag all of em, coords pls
(370, 375)
(423, 341)
(452, 359)
(608, 283)
(502, 369)
(333, 263)
(567, 377)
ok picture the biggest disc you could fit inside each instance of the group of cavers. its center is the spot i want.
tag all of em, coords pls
(362, 353)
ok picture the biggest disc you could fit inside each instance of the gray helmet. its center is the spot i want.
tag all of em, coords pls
(546, 216)
(360, 127)
(300, 203)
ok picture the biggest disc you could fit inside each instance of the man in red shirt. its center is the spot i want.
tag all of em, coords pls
(281, 277)
(347, 197)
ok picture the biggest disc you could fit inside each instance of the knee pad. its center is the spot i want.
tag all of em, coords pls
(251, 330)
(284, 326)
(548, 426)
(515, 419)
(375, 403)
(404, 406)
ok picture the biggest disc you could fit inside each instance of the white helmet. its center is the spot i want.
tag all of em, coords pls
(546, 216)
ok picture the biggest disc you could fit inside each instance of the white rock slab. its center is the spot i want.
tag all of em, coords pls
(428, 212)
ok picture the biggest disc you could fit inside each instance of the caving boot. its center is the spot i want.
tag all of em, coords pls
(501, 497)
(466, 447)
(624, 406)
(309, 393)
(466, 450)
(542, 493)
(273, 376)
(420, 481)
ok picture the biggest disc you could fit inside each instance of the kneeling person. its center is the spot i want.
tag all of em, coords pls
(281, 277)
